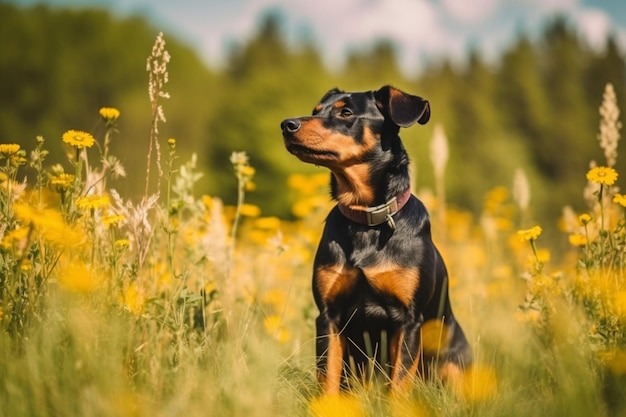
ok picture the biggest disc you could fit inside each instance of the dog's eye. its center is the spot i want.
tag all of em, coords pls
(345, 112)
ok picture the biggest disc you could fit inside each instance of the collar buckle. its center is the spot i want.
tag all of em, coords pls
(381, 214)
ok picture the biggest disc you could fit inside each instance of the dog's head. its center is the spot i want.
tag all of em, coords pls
(346, 127)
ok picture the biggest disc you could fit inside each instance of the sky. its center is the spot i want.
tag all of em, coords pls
(422, 30)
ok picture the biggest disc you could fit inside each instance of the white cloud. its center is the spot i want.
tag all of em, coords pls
(470, 12)
(419, 27)
(595, 25)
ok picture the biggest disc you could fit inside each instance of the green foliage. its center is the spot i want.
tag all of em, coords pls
(534, 108)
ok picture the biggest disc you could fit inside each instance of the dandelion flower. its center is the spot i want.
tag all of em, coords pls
(620, 199)
(109, 114)
(530, 234)
(112, 219)
(602, 175)
(8, 149)
(62, 182)
(92, 202)
(78, 139)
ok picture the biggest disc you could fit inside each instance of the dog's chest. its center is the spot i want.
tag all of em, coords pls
(388, 281)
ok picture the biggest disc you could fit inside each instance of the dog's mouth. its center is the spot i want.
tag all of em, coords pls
(305, 153)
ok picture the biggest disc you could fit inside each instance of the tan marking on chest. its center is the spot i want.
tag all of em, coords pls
(333, 280)
(401, 283)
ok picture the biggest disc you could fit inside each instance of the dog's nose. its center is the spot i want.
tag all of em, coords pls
(290, 125)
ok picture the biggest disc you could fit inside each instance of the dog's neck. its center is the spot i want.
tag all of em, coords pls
(373, 184)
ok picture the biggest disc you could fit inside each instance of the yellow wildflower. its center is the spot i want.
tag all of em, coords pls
(171, 142)
(267, 223)
(577, 239)
(78, 139)
(26, 265)
(7, 150)
(133, 299)
(92, 202)
(620, 199)
(336, 406)
(584, 219)
(78, 277)
(62, 182)
(479, 383)
(602, 175)
(112, 219)
(122, 244)
(274, 327)
(434, 336)
(109, 114)
(14, 237)
(250, 210)
(530, 234)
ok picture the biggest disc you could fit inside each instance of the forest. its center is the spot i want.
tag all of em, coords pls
(535, 108)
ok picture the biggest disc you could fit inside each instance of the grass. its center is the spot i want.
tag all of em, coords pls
(176, 305)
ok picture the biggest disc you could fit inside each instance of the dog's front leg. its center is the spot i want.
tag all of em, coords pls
(330, 348)
(404, 353)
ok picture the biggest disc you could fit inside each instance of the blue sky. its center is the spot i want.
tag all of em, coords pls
(422, 29)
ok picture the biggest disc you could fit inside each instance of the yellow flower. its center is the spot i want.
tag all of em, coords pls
(92, 202)
(274, 327)
(584, 219)
(171, 142)
(78, 277)
(133, 299)
(620, 199)
(14, 237)
(479, 383)
(109, 114)
(122, 244)
(62, 182)
(530, 234)
(8, 149)
(26, 265)
(250, 210)
(112, 219)
(602, 175)
(79, 139)
(577, 239)
(267, 223)
(336, 406)
(434, 336)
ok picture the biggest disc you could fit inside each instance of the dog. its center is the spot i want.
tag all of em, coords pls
(378, 280)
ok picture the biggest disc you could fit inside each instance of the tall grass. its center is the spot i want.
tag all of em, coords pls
(177, 305)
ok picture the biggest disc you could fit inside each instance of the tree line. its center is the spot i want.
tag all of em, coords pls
(535, 108)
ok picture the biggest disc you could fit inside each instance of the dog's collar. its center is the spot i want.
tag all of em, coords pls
(373, 216)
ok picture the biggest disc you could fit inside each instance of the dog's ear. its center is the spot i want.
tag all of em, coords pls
(403, 109)
(330, 93)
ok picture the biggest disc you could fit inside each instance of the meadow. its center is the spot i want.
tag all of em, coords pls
(174, 304)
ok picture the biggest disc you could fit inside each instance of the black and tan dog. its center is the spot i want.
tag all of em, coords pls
(377, 276)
